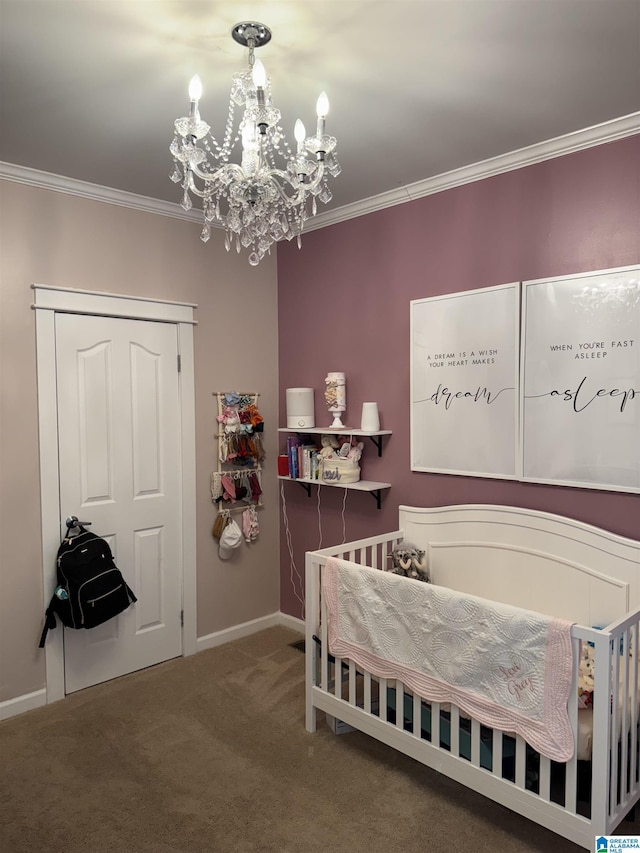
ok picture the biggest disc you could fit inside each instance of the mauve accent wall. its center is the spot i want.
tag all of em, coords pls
(344, 306)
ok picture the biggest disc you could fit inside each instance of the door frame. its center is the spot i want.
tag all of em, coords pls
(47, 301)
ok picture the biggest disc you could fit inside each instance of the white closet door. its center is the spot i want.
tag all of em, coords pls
(119, 459)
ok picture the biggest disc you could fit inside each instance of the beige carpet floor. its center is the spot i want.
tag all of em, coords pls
(209, 754)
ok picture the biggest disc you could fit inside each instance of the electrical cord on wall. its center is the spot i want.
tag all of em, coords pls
(344, 523)
(295, 574)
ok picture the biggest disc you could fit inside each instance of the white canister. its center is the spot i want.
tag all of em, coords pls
(300, 408)
(370, 418)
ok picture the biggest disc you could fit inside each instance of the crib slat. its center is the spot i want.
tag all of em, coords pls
(614, 651)
(475, 743)
(312, 658)
(338, 676)
(367, 692)
(435, 724)
(454, 731)
(496, 753)
(324, 641)
(399, 705)
(633, 639)
(544, 779)
(382, 698)
(571, 766)
(624, 700)
(352, 683)
(520, 762)
(416, 728)
(571, 785)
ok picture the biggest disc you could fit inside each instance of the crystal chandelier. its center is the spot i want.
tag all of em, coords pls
(273, 191)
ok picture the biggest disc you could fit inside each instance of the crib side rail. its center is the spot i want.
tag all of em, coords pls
(616, 716)
(350, 550)
(373, 552)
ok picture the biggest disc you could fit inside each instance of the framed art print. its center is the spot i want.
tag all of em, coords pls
(464, 382)
(580, 408)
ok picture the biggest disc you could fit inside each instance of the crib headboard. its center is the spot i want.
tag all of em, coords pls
(535, 560)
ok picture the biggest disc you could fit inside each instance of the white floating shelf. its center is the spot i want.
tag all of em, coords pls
(340, 431)
(360, 486)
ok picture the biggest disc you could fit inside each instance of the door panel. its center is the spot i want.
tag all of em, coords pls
(119, 458)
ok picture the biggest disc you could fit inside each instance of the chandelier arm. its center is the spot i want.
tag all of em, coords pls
(301, 190)
(211, 178)
(194, 189)
(278, 173)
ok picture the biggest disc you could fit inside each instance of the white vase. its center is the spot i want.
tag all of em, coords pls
(370, 418)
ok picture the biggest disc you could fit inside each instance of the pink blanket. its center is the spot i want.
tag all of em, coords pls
(508, 668)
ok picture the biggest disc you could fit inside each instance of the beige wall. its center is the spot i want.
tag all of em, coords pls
(56, 239)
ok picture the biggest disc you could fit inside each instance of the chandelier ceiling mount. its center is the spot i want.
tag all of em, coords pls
(244, 32)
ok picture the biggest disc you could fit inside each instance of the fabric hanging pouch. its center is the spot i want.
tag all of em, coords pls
(219, 525)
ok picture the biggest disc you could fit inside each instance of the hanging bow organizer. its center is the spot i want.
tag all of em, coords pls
(237, 482)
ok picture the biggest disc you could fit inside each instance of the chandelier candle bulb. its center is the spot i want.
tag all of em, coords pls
(322, 108)
(299, 132)
(259, 75)
(195, 88)
(195, 93)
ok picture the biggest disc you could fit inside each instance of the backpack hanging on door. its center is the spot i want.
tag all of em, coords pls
(91, 589)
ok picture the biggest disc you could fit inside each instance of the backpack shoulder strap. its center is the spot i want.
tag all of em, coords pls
(49, 624)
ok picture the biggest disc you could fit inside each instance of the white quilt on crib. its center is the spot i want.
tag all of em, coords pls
(511, 669)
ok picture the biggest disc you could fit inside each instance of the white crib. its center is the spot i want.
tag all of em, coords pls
(532, 560)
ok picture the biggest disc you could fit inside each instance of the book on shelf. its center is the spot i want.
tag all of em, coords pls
(303, 458)
(293, 442)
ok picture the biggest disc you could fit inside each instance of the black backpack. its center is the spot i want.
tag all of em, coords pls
(90, 587)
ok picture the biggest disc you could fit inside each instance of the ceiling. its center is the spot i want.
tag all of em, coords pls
(90, 88)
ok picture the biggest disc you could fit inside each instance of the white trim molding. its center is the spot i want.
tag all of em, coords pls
(292, 622)
(94, 192)
(22, 704)
(570, 143)
(72, 301)
(598, 134)
(246, 629)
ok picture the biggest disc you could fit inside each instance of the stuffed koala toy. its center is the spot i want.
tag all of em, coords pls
(410, 561)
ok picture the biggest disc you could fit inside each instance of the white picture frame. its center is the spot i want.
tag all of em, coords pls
(465, 382)
(580, 367)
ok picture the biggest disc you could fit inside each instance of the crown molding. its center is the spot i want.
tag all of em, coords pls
(579, 140)
(95, 192)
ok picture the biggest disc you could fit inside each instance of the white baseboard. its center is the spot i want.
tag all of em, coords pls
(22, 704)
(291, 622)
(219, 638)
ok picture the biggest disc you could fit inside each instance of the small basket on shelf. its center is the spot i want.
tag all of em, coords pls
(339, 471)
